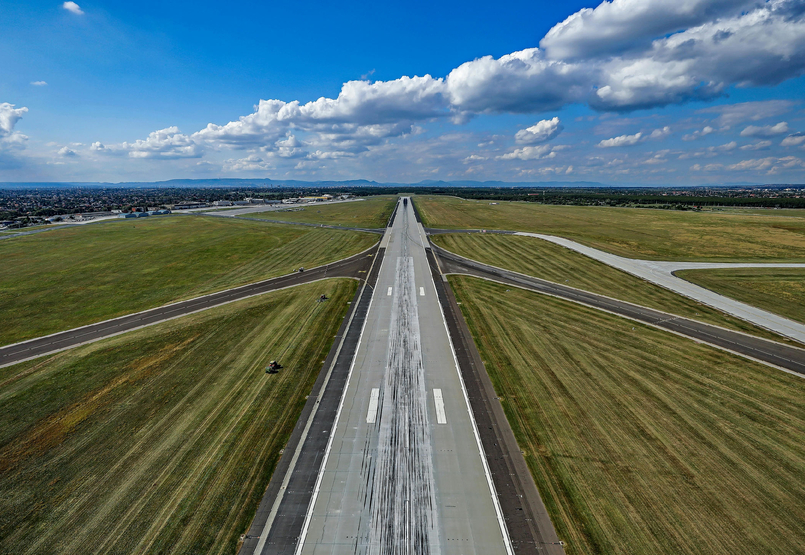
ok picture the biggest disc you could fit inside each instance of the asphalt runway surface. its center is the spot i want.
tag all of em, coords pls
(788, 358)
(402, 469)
(355, 267)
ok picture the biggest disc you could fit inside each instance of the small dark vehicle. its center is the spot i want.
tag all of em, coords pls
(273, 367)
(301, 269)
(405, 202)
(322, 298)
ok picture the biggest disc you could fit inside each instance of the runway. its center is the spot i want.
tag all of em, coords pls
(355, 266)
(398, 477)
(403, 470)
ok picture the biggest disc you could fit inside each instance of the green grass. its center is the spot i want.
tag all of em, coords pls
(373, 212)
(162, 440)
(552, 262)
(641, 442)
(778, 290)
(633, 232)
(66, 278)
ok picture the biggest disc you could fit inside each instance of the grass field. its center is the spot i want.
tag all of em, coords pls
(66, 278)
(641, 442)
(551, 262)
(635, 233)
(161, 440)
(374, 212)
(778, 290)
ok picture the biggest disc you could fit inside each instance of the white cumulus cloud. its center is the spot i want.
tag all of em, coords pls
(623, 140)
(540, 132)
(9, 116)
(529, 153)
(73, 8)
(165, 144)
(39, 83)
(660, 133)
(698, 134)
(794, 139)
(757, 145)
(621, 25)
(766, 130)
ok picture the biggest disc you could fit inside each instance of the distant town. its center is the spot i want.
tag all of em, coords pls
(21, 207)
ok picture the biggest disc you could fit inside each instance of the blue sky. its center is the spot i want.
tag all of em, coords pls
(630, 92)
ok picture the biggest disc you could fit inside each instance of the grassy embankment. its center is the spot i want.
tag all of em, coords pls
(636, 233)
(373, 212)
(66, 278)
(639, 441)
(552, 262)
(777, 290)
(161, 440)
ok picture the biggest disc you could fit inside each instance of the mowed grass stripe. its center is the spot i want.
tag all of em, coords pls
(551, 262)
(170, 434)
(641, 441)
(778, 290)
(732, 235)
(371, 212)
(67, 278)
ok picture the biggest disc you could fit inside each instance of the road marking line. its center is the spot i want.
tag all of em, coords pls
(388, 293)
(371, 415)
(441, 417)
(421, 291)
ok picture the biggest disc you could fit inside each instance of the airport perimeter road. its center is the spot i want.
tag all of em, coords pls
(403, 470)
(785, 357)
(355, 267)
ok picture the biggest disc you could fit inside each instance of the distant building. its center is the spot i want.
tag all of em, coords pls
(189, 205)
(222, 203)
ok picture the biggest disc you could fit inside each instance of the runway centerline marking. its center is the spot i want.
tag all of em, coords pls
(371, 414)
(388, 293)
(421, 291)
(441, 417)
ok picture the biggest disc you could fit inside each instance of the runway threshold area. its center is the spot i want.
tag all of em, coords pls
(401, 468)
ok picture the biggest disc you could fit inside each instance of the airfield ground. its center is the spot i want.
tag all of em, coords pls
(640, 441)
(634, 232)
(161, 440)
(67, 278)
(373, 212)
(777, 290)
(552, 262)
